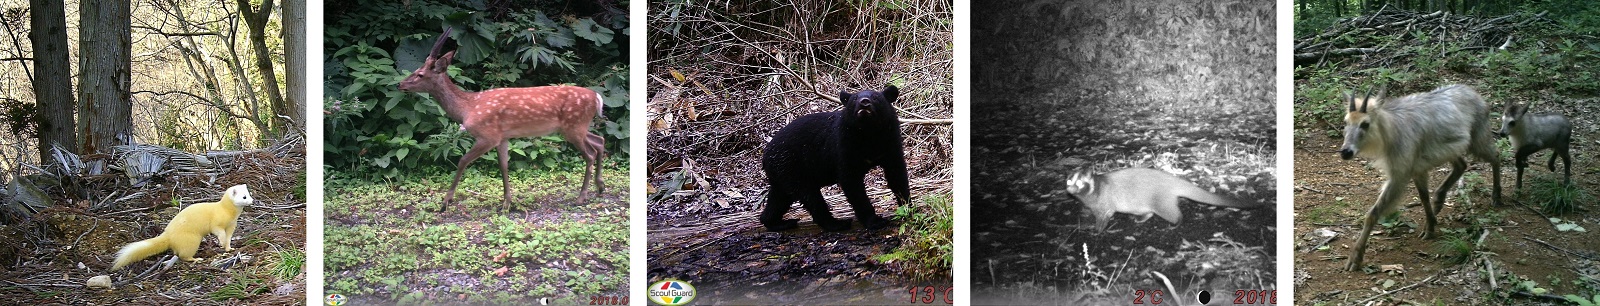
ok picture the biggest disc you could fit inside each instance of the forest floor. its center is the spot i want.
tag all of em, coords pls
(385, 244)
(1031, 242)
(51, 256)
(1331, 196)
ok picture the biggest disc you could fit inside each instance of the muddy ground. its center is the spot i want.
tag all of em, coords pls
(748, 265)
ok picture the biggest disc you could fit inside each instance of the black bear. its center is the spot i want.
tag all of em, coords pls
(822, 149)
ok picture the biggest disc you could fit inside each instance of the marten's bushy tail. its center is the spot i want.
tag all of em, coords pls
(1201, 195)
(140, 250)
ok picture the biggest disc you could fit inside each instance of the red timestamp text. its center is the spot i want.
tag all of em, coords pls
(1255, 297)
(1152, 297)
(608, 300)
(931, 295)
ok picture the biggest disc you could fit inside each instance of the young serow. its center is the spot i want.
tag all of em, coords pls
(1531, 133)
(1409, 136)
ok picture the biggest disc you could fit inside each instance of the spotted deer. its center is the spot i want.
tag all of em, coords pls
(495, 116)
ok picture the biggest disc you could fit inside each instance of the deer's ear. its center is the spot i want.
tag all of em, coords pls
(443, 62)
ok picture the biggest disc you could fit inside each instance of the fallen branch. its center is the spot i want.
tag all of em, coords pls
(1407, 287)
(1563, 250)
(1335, 52)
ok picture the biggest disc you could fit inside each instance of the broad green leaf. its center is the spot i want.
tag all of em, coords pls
(592, 31)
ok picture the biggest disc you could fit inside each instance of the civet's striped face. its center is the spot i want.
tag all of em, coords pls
(1080, 182)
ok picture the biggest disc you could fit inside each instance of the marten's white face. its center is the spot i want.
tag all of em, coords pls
(240, 195)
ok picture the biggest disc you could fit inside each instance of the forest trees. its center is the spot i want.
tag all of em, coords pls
(53, 86)
(92, 74)
(103, 105)
(257, 19)
(294, 40)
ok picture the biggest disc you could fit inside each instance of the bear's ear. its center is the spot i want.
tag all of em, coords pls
(891, 93)
(844, 97)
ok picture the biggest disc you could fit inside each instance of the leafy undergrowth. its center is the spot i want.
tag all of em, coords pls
(1538, 247)
(927, 228)
(384, 244)
(1555, 196)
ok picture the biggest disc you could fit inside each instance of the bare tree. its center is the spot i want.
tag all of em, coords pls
(257, 22)
(53, 87)
(105, 38)
(294, 39)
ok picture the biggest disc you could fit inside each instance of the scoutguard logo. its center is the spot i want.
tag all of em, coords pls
(335, 299)
(671, 292)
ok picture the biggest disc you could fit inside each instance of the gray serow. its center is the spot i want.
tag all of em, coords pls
(1532, 133)
(1409, 136)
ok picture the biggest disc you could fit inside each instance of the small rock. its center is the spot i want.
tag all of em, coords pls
(285, 290)
(99, 282)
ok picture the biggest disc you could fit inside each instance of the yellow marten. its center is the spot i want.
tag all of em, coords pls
(184, 233)
(1141, 192)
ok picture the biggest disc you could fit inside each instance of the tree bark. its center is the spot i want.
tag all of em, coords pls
(257, 21)
(103, 98)
(53, 87)
(294, 39)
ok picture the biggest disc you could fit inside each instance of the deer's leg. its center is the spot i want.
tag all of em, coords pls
(597, 143)
(479, 147)
(578, 136)
(505, 175)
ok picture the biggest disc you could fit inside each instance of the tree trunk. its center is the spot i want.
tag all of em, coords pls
(294, 39)
(53, 87)
(252, 103)
(257, 21)
(103, 97)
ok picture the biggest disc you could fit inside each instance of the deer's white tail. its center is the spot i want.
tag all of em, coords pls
(599, 105)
